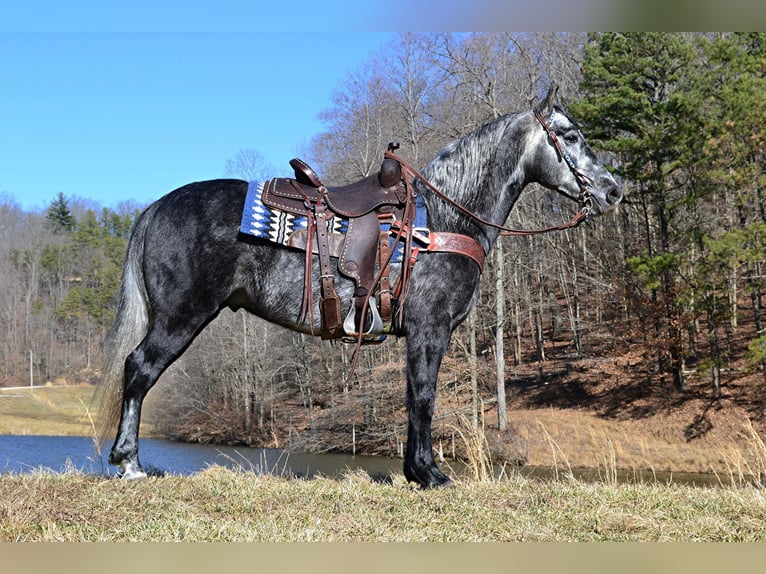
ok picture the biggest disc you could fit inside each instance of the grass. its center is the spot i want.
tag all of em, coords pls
(53, 410)
(229, 505)
(224, 505)
(570, 438)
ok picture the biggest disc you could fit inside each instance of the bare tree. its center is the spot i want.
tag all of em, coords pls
(249, 164)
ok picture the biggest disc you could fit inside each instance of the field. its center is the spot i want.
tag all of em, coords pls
(223, 505)
(51, 410)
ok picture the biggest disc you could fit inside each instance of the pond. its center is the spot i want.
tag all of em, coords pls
(25, 453)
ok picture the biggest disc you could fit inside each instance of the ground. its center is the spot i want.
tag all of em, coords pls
(602, 411)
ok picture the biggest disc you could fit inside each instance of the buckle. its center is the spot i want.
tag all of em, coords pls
(422, 234)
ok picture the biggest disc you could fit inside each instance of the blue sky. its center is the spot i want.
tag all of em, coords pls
(118, 101)
(132, 115)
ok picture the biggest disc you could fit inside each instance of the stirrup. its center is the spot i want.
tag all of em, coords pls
(376, 325)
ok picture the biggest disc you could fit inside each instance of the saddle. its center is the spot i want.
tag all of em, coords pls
(359, 251)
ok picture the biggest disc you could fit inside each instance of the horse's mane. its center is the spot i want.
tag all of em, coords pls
(466, 171)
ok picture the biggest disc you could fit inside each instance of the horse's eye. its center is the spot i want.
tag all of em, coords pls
(571, 138)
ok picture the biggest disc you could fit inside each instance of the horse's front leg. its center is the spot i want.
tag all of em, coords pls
(424, 356)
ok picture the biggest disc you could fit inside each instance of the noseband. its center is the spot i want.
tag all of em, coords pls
(584, 198)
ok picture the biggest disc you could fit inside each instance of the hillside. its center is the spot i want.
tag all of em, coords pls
(58, 409)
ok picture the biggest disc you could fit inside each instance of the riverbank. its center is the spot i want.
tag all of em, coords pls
(223, 505)
(547, 428)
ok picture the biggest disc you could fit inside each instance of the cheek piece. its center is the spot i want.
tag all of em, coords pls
(584, 199)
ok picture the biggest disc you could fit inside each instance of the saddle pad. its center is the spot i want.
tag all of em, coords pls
(261, 221)
(276, 226)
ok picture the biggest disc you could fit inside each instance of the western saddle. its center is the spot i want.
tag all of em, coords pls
(365, 251)
(360, 251)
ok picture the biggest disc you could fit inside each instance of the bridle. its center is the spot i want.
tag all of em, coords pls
(584, 198)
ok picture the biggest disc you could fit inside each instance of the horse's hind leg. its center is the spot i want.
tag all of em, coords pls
(159, 349)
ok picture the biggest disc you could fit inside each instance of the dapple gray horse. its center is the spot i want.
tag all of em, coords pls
(186, 262)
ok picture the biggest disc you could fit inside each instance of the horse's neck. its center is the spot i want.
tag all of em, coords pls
(480, 172)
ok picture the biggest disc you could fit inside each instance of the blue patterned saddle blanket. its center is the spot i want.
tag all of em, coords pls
(277, 226)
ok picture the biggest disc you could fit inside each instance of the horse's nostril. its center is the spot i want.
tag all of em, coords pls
(614, 196)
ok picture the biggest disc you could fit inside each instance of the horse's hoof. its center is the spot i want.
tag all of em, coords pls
(446, 483)
(432, 479)
(132, 471)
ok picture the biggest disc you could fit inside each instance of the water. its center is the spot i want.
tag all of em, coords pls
(21, 454)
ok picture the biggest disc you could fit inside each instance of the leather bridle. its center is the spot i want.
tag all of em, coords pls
(584, 198)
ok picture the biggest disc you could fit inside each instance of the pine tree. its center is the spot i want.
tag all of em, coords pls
(638, 107)
(59, 216)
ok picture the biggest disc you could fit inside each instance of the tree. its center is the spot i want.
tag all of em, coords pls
(638, 106)
(249, 164)
(59, 215)
(502, 417)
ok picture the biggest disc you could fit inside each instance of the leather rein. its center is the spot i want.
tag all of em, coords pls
(584, 199)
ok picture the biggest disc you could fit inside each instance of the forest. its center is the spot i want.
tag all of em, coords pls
(675, 277)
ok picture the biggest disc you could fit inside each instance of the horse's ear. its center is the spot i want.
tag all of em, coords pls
(547, 104)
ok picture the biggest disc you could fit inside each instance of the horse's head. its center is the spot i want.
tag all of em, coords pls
(564, 161)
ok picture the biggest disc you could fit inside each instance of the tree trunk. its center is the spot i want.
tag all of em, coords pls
(502, 420)
(715, 354)
(473, 368)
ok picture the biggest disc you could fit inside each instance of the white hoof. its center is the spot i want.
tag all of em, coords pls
(132, 471)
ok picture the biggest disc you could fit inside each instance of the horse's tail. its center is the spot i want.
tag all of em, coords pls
(130, 326)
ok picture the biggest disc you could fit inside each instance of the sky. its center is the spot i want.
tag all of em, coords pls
(126, 101)
(115, 101)
(133, 115)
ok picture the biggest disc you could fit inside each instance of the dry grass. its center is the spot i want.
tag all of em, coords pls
(222, 505)
(53, 410)
(569, 438)
(746, 463)
(476, 452)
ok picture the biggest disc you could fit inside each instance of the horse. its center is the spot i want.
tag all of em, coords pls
(186, 261)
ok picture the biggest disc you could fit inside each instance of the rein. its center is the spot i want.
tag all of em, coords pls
(404, 234)
(584, 198)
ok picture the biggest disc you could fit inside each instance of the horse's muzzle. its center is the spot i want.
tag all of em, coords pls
(607, 197)
(614, 196)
